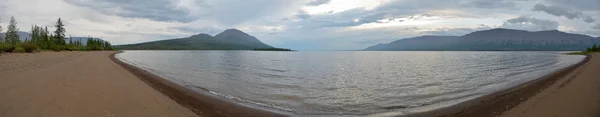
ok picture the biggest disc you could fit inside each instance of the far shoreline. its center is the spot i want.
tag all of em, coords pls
(206, 104)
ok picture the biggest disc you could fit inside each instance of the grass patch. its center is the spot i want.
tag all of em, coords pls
(19, 50)
(576, 53)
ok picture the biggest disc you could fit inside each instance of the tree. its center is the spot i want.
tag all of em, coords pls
(36, 36)
(107, 46)
(45, 35)
(1, 39)
(59, 33)
(12, 35)
(70, 40)
(594, 48)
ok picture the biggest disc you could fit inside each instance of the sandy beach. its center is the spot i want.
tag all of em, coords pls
(96, 84)
(576, 94)
(77, 84)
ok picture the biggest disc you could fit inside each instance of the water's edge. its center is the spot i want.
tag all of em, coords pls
(200, 102)
(493, 104)
(204, 103)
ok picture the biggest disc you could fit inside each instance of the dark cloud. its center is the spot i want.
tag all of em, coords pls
(412, 9)
(158, 10)
(419, 6)
(318, 2)
(597, 26)
(303, 15)
(510, 4)
(562, 12)
(341, 19)
(530, 23)
(585, 5)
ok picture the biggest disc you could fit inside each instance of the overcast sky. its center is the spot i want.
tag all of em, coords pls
(301, 24)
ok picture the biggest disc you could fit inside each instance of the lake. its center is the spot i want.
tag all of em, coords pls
(348, 82)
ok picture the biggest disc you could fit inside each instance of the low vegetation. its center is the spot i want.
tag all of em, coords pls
(272, 49)
(595, 48)
(43, 40)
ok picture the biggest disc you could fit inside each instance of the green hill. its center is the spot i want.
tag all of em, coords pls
(231, 39)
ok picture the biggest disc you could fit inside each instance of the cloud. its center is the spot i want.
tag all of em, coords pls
(157, 10)
(586, 5)
(597, 26)
(509, 4)
(318, 2)
(197, 30)
(562, 12)
(303, 15)
(530, 23)
(455, 31)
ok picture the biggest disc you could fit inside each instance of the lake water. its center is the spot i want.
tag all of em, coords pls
(348, 82)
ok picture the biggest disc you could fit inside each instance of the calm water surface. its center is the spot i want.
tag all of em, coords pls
(348, 82)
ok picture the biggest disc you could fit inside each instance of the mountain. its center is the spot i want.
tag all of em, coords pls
(495, 39)
(418, 43)
(238, 37)
(26, 36)
(230, 39)
(22, 35)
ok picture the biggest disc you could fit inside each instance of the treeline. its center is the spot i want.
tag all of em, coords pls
(595, 48)
(42, 39)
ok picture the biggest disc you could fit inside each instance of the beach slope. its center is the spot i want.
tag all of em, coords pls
(576, 94)
(77, 84)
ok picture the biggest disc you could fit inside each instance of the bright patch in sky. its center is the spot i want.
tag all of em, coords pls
(335, 6)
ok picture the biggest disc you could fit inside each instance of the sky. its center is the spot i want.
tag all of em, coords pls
(301, 24)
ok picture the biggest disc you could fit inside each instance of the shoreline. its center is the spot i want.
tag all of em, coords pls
(493, 104)
(201, 103)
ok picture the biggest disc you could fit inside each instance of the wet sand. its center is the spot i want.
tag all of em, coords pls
(77, 84)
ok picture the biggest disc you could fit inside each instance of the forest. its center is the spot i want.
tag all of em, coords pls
(41, 39)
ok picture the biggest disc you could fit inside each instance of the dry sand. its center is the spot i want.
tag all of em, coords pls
(577, 94)
(77, 84)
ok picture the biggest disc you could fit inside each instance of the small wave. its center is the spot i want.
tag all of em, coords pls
(272, 69)
(252, 102)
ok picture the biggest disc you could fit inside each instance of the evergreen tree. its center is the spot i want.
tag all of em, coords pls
(36, 36)
(1, 39)
(45, 35)
(12, 35)
(33, 33)
(59, 33)
(108, 45)
(70, 40)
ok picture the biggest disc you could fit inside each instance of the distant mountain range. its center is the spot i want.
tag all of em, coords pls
(26, 36)
(22, 35)
(494, 40)
(230, 39)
